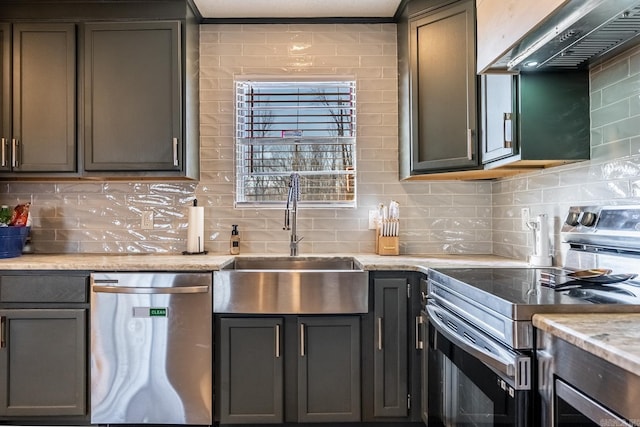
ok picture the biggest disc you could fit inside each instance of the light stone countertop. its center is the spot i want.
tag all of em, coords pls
(177, 262)
(612, 337)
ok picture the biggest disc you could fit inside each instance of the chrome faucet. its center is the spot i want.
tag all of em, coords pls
(291, 213)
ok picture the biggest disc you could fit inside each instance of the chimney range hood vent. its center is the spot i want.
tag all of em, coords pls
(580, 33)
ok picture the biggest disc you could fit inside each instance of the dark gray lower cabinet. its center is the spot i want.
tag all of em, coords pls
(391, 349)
(43, 347)
(251, 370)
(321, 368)
(329, 369)
(424, 366)
(43, 362)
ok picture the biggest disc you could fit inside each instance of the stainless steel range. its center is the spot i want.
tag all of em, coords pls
(481, 339)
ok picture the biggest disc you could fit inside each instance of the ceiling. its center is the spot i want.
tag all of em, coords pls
(233, 9)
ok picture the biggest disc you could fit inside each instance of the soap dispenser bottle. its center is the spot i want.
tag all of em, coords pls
(234, 243)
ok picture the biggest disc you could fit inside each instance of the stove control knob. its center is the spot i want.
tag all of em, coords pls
(588, 219)
(572, 218)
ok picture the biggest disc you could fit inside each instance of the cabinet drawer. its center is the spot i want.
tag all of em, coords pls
(43, 288)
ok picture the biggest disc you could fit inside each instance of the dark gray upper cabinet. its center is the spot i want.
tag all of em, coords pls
(132, 96)
(5, 93)
(391, 349)
(130, 110)
(251, 371)
(441, 93)
(535, 119)
(38, 120)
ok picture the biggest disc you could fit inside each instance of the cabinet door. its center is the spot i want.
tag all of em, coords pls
(498, 116)
(329, 369)
(251, 366)
(424, 367)
(44, 98)
(5, 95)
(43, 362)
(390, 354)
(132, 96)
(443, 89)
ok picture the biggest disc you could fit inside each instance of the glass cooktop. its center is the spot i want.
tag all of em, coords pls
(519, 293)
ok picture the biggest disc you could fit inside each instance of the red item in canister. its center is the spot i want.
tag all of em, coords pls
(20, 215)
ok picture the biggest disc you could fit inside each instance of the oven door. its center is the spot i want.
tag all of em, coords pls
(472, 379)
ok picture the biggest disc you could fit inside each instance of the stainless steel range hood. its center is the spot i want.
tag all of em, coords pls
(579, 33)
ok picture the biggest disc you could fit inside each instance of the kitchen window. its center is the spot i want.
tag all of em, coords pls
(306, 127)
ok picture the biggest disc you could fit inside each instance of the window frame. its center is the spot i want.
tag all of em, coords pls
(311, 135)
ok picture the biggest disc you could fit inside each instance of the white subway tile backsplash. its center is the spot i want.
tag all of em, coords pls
(447, 217)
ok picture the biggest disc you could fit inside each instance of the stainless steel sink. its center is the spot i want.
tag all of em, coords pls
(291, 285)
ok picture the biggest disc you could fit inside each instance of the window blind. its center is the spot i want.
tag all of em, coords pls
(307, 127)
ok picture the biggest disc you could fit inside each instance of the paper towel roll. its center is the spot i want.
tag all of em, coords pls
(195, 232)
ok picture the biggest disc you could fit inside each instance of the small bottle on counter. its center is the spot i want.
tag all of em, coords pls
(234, 243)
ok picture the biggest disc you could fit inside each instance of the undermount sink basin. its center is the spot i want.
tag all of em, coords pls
(291, 285)
(293, 263)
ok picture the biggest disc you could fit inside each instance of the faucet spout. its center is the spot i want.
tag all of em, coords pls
(291, 213)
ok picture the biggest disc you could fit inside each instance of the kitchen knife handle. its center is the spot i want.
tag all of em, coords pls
(277, 332)
(3, 331)
(380, 333)
(175, 152)
(507, 130)
(470, 144)
(419, 323)
(302, 340)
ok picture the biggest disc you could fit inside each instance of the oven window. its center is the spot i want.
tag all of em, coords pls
(462, 391)
(567, 416)
(574, 408)
(467, 403)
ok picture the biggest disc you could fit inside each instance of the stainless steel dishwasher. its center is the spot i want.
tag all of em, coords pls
(151, 339)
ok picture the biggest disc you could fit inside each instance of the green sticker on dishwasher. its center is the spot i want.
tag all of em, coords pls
(146, 312)
(157, 312)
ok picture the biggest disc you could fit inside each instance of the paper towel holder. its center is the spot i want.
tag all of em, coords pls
(200, 236)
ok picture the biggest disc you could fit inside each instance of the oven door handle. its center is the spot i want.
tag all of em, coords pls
(503, 362)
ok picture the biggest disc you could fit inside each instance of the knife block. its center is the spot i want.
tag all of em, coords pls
(387, 245)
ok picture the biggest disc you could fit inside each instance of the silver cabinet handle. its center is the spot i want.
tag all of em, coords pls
(14, 153)
(470, 144)
(3, 331)
(175, 152)
(419, 323)
(4, 151)
(133, 290)
(507, 130)
(379, 333)
(277, 332)
(302, 339)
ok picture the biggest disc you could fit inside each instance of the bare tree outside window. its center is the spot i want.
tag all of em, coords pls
(304, 127)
